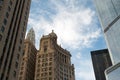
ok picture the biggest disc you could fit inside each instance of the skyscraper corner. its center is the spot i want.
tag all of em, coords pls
(109, 16)
(13, 22)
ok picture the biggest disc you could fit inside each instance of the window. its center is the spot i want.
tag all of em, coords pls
(21, 73)
(20, 41)
(22, 68)
(39, 56)
(24, 23)
(9, 8)
(23, 53)
(39, 61)
(22, 34)
(26, 12)
(0, 8)
(14, 74)
(45, 48)
(16, 64)
(50, 59)
(46, 42)
(38, 65)
(20, 78)
(50, 68)
(18, 56)
(38, 75)
(23, 29)
(50, 73)
(50, 63)
(5, 22)
(38, 70)
(7, 14)
(0, 37)
(25, 17)
(10, 2)
(50, 78)
(22, 63)
(19, 48)
(2, 28)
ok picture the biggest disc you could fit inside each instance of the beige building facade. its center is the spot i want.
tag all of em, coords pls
(13, 22)
(53, 62)
(27, 67)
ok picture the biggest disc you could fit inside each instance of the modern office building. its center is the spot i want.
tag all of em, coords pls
(109, 16)
(13, 22)
(27, 67)
(53, 62)
(101, 61)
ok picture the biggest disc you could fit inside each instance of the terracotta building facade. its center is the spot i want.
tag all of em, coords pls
(53, 62)
(27, 67)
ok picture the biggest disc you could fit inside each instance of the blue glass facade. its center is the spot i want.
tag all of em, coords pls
(109, 16)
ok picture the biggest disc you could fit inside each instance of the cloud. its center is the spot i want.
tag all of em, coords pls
(78, 56)
(74, 26)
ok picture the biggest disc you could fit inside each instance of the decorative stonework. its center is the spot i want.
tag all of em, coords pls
(31, 35)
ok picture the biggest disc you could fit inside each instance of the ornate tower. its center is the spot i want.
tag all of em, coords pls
(53, 62)
(27, 67)
(31, 35)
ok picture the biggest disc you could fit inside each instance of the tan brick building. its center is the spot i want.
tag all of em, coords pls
(13, 22)
(53, 62)
(27, 67)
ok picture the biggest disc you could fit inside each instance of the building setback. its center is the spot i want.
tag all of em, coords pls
(27, 67)
(53, 62)
(13, 22)
(101, 61)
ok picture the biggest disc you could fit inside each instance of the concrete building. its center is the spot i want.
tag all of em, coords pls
(101, 61)
(109, 16)
(27, 67)
(13, 22)
(53, 62)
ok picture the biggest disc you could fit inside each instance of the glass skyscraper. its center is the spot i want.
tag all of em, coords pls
(109, 16)
(101, 61)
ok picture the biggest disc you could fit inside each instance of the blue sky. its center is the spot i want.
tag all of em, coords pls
(76, 24)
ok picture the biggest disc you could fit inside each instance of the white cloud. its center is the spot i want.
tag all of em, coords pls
(74, 27)
(78, 55)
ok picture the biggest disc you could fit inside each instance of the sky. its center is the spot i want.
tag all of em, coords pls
(77, 26)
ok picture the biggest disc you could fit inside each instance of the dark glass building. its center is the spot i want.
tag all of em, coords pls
(101, 61)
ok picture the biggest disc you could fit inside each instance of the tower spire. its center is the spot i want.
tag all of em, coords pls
(31, 35)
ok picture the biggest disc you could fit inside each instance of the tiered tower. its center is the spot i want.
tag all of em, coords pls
(53, 62)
